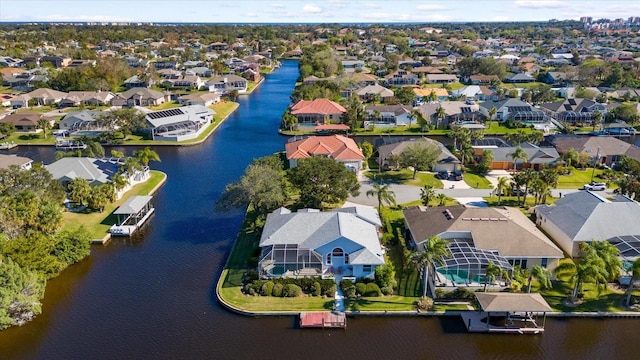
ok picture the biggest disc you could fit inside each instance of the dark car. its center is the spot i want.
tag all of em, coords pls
(457, 175)
(442, 175)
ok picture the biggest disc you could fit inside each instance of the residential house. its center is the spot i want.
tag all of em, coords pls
(185, 82)
(56, 60)
(25, 121)
(19, 101)
(340, 148)
(201, 71)
(44, 96)
(78, 63)
(514, 110)
(584, 217)
(422, 95)
(142, 97)
(165, 64)
(441, 78)
(482, 79)
(605, 150)
(520, 78)
(318, 111)
(314, 243)
(370, 92)
(477, 236)
(474, 93)
(22, 162)
(387, 115)
(446, 161)
(225, 84)
(401, 77)
(538, 157)
(360, 79)
(204, 99)
(96, 98)
(136, 81)
(557, 78)
(7, 61)
(25, 81)
(352, 64)
(85, 119)
(178, 124)
(574, 110)
(455, 111)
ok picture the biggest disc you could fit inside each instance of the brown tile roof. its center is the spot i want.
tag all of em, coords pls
(22, 119)
(608, 145)
(11, 71)
(317, 106)
(337, 146)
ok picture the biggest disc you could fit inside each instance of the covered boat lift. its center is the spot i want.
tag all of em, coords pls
(131, 215)
(513, 313)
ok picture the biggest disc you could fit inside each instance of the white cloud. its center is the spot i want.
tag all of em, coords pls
(372, 6)
(311, 9)
(431, 7)
(277, 5)
(337, 3)
(251, 15)
(500, 18)
(540, 4)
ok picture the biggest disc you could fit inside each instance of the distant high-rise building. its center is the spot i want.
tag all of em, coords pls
(586, 19)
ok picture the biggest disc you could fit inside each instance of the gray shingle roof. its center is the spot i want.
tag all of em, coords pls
(91, 169)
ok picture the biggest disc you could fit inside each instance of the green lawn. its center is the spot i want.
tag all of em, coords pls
(477, 181)
(405, 176)
(579, 177)
(165, 106)
(96, 224)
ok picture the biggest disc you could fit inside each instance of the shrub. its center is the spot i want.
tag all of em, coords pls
(291, 290)
(317, 289)
(424, 304)
(345, 284)
(330, 291)
(350, 292)
(249, 290)
(463, 293)
(361, 288)
(373, 290)
(267, 288)
(277, 290)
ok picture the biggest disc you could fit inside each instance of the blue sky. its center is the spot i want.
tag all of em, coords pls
(302, 11)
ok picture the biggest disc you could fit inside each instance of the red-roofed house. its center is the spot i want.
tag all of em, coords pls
(340, 148)
(318, 111)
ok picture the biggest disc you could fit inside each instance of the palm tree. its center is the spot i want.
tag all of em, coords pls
(492, 113)
(542, 275)
(635, 275)
(596, 119)
(611, 257)
(491, 273)
(518, 154)
(442, 199)
(528, 176)
(426, 193)
(590, 269)
(415, 114)
(440, 114)
(145, 155)
(502, 187)
(384, 195)
(434, 252)
(45, 125)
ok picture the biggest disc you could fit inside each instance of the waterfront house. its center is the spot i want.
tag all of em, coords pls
(178, 124)
(204, 99)
(340, 148)
(585, 216)
(574, 110)
(514, 110)
(225, 84)
(317, 111)
(22, 162)
(314, 243)
(445, 161)
(84, 119)
(25, 121)
(370, 92)
(387, 115)
(455, 111)
(478, 235)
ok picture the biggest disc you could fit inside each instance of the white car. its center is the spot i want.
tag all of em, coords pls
(595, 186)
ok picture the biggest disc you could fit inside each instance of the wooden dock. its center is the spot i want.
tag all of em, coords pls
(477, 322)
(323, 319)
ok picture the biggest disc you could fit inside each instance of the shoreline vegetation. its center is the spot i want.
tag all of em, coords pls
(231, 281)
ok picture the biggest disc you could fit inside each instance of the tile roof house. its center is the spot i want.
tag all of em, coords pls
(95, 171)
(317, 111)
(75, 98)
(401, 77)
(514, 110)
(313, 243)
(584, 216)
(142, 97)
(446, 161)
(79, 119)
(46, 96)
(441, 78)
(224, 84)
(441, 94)
(482, 79)
(609, 149)
(340, 148)
(455, 111)
(503, 235)
(204, 99)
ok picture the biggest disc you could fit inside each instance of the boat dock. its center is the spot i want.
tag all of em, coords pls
(323, 319)
(8, 145)
(481, 322)
(132, 214)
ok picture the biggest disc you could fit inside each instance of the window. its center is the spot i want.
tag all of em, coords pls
(366, 268)
(543, 262)
(329, 258)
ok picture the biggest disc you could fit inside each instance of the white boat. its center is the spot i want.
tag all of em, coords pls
(64, 144)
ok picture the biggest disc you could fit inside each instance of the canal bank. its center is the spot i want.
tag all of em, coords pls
(153, 296)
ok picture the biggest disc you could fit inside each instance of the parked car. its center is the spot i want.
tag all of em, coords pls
(595, 186)
(457, 175)
(517, 191)
(442, 175)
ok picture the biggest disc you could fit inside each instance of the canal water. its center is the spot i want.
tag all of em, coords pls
(152, 296)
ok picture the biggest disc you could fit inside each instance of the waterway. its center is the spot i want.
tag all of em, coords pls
(152, 296)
